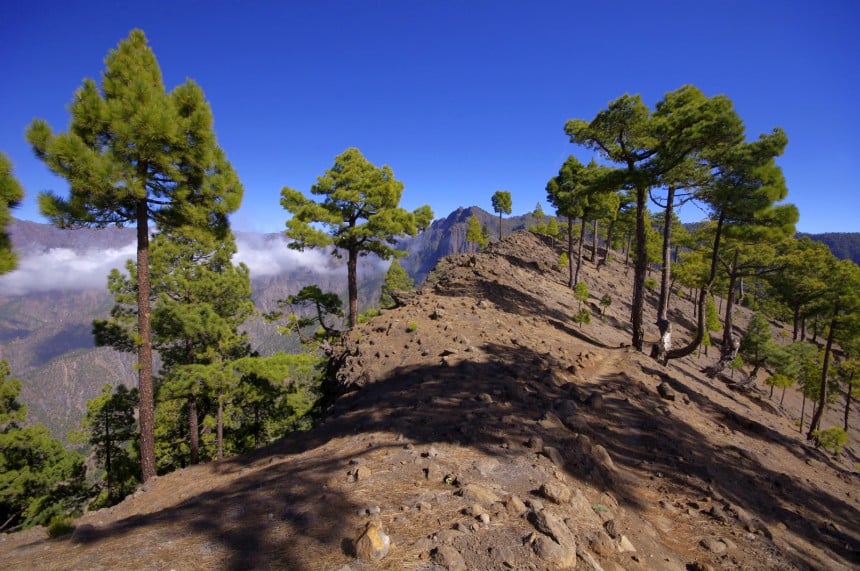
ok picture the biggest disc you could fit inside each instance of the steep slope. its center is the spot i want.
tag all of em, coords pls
(480, 429)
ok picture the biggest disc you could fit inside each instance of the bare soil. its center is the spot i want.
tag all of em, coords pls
(477, 412)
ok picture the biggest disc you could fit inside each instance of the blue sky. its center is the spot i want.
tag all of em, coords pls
(460, 98)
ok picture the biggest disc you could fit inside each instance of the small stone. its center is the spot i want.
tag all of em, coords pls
(515, 506)
(624, 545)
(362, 473)
(485, 518)
(535, 442)
(666, 392)
(553, 526)
(594, 401)
(699, 566)
(555, 492)
(713, 545)
(423, 506)
(553, 454)
(600, 543)
(611, 528)
(373, 544)
(449, 558)
(478, 493)
(562, 556)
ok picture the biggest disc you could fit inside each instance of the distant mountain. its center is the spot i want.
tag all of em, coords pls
(844, 245)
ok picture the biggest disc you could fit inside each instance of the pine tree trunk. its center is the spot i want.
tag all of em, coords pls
(795, 322)
(728, 335)
(193, 429)
(352, 281)
(579, 253)
(704, 291)
(664, 345)
(144, 355)
(638, 305)
(108, 444)
(847, 402)
(822, 397)
(220, 425)
(594, 242)
(500, 225)
(571, 277)
(608, 244)
(782, 397)
(802, 408)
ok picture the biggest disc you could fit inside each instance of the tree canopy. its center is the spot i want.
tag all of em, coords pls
(135, 153)
(358, 214)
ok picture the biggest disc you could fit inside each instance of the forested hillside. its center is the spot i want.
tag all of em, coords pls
(844, 245)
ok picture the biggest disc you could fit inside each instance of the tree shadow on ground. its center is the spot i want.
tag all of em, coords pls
(273, 511)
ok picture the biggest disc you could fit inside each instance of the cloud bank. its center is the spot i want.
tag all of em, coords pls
(64, 269)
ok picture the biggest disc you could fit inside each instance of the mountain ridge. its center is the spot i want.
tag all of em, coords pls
(480, 428)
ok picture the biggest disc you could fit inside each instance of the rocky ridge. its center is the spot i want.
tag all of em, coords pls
(479, 428)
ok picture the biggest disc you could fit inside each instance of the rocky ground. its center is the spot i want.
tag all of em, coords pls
(482, 429)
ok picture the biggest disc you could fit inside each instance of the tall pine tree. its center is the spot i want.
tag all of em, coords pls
(135, 153)
(360, 214)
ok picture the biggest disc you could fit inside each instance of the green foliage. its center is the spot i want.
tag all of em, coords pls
(756, 343)
(650, 284)
(412, 327)
(135, 153)
(552, 227)
(580, 293)
(833, 438)
(563, 260)
(367, 315)
(11, 194)
(359, 214)
(396, 279)
(502, 204)
(59, 526)
(474, 233)
(582, 317)
(605, 302)
(110, 428)
(322, 306)
(39, 478)
(712, 319)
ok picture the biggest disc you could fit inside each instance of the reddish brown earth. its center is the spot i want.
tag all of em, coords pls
(482, 429)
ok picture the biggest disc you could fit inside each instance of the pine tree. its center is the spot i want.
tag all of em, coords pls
(396, 279)
(474, 234)
(200, 299)
(756, 344)
(360, 210)
(649, 145)
(39, 478)
(135, 153)
(11, 195)
(502, 204)
(842, 306)
(110, 426)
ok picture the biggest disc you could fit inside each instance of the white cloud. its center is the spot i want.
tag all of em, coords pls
(266, 255)
(64, 269)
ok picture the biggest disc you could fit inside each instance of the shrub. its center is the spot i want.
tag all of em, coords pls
(650, 284)
(411, 327)
(368, 315)
(583, 317)
(605, 302)
(562, 260)
(832, 439)
(60, 525)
